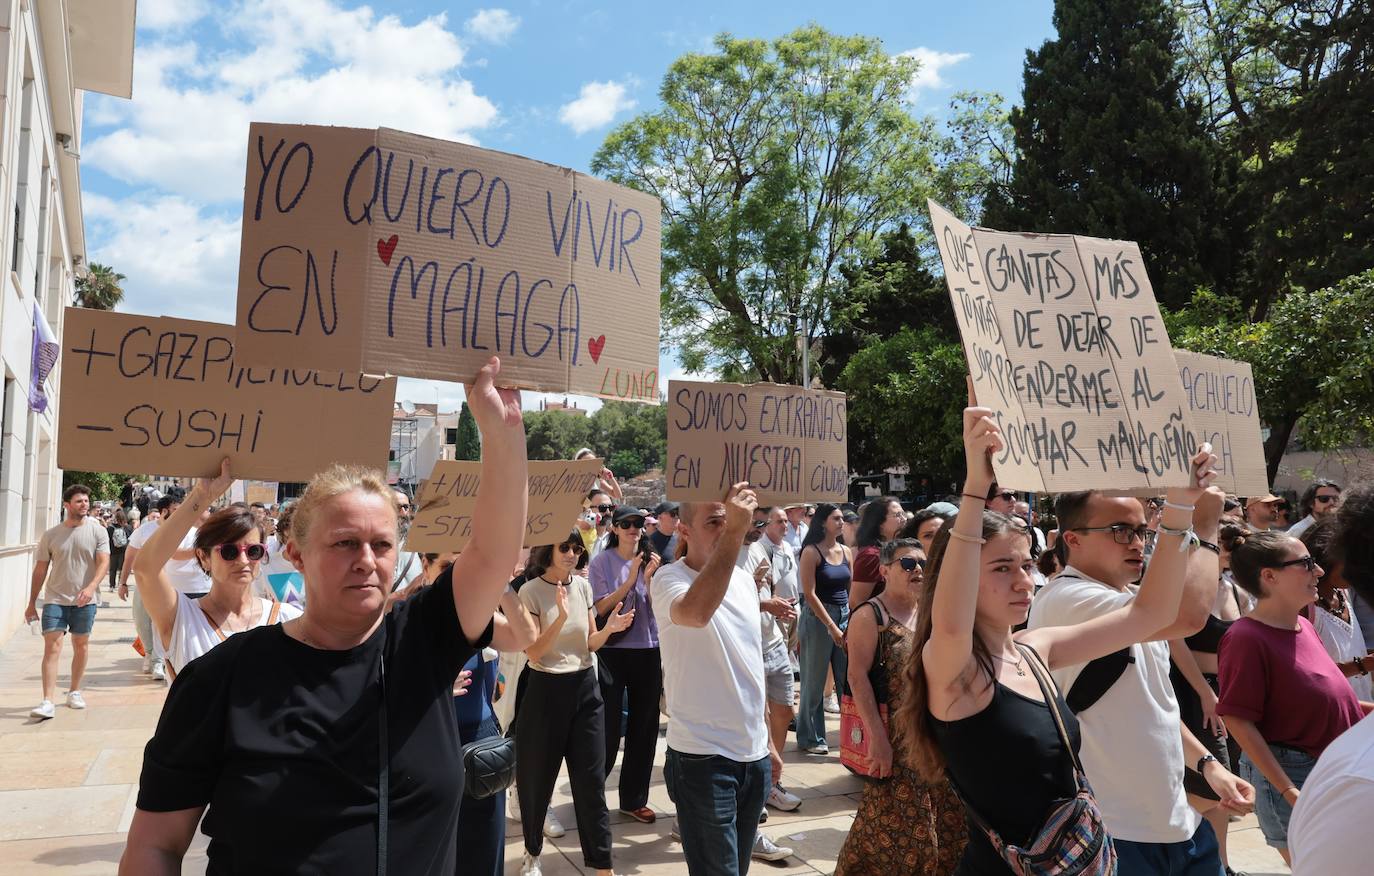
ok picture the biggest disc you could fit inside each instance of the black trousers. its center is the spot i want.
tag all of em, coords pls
(561, 718)
(640, 672)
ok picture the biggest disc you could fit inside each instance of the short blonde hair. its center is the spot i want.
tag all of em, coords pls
(331, 483)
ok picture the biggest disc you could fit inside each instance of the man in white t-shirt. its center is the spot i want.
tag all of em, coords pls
(1135, 747)
(796, 529)
(717, 768)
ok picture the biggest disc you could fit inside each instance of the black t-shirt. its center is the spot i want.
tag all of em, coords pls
(660, 542)
(281, 741)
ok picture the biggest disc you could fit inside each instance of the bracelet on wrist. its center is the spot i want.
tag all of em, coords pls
(971, 496)
(971, 539)
(1177, 507)
(1208, 545)
(1188, 537)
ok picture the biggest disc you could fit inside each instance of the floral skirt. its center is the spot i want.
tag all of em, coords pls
(905, 826)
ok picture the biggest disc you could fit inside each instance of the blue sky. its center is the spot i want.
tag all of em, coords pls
(163, 173)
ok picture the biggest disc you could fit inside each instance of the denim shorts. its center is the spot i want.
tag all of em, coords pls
(777, 675)
(75, 619)
(1271, 809)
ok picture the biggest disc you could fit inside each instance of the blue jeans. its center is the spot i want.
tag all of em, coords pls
(719, 802)
(818, 651)
(481, 823)
(1271, 809)
(1198, 856)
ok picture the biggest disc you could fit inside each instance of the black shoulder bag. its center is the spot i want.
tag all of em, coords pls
(1097, 676)
(489, 764)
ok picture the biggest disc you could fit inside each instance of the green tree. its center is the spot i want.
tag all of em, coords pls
(469, 443)
(776, 163)
(1312, 360)
(99, 288)
(1106, 144)
(624, 430)
(104, 486)
(555, 435)
(626, 464)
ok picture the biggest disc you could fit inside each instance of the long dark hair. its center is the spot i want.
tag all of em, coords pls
(541, 558)
(912, 722)
(871, 520)
(1352, 544)
(815, 533)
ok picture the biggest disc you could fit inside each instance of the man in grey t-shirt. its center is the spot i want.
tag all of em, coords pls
(71, 560)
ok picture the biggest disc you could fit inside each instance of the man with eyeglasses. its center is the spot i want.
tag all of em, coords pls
(1135, 747)
(1319, 500)
(595, 523)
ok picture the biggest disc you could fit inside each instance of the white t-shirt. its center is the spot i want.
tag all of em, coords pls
(1332, 815)
(1132, 743)
(712, 676)
(279, 576)
(1344, 642)
(783, 562)
(748, 562)
(186, 576)
(192, 634)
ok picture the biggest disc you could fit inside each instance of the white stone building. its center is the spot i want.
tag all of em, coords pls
(51, 51)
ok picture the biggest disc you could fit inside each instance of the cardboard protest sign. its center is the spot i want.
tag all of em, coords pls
(264, 492)
(1065, 343)
(448, 500)
(154, 394)
(390, 253)
(789, 443)
(1223, 410)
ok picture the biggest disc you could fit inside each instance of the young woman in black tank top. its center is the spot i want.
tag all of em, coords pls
(976, 710)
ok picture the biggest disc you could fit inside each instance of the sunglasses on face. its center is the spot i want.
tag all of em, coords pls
(1308, 564)
(231, 552)
(1325, 499)
(1009, 495)
(1121, 533)
(573, 548)
(911, 564)
(630, 524)
(604, 508)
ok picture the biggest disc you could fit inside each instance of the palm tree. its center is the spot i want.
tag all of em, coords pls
(99, 289)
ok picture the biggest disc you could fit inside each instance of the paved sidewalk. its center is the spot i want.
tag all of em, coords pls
(68, 785)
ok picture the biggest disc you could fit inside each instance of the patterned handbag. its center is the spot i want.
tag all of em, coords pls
(1073, 841)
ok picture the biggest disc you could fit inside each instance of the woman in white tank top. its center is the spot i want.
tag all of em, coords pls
(229, 549)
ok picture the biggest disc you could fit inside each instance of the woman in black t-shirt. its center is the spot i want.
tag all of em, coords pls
(311, 740)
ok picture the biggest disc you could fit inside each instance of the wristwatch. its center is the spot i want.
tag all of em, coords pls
(1202, 762)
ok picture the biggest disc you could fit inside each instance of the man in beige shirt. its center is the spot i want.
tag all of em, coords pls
(71, 559)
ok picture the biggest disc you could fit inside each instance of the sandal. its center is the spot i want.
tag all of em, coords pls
(644, 815)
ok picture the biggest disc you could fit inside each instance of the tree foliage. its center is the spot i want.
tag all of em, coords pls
(1107, 146)
(776, 163)
(636, 435)
(469, 439)
(104, 486)
(99, 288)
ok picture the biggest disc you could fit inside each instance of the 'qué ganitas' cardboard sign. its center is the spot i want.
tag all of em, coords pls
(390, 253)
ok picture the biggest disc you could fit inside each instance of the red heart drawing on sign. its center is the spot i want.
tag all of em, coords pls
(386, 247)
(595, 346)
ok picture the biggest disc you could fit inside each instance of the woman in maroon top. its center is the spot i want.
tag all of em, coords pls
(1283, 698)
(879, 523)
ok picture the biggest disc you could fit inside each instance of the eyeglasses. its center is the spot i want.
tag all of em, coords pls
(1308, 564)
(231, 552)
(1121, 532)
(911, 564)
(1325, 499)
(574, 548)
(630, 524)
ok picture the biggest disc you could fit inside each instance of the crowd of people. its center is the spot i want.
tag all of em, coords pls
(1106, 688)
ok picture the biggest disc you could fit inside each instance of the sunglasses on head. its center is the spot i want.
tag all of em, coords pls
(911, 564)
(231, 552)
(1308, 564)
(573, 547)
(636, 523)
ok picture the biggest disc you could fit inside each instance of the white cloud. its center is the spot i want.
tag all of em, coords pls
(309, 61)
(179, 259)
(170, 14)
(932, 62)
(596, 105)
(492, 25)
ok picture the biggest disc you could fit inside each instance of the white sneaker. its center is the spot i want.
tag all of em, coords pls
(530, 866)
(147, 664)
(512, 805)
(780, 798)
(159, 670)
(75, 700)
(43, 710)
(832, 705)
(553, 828)
(766, 850)
(673, 832)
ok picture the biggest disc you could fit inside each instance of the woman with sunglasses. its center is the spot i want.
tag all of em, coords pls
(629, 661)
(1283, 697)
(229, 548)
(903, 824)
(560, 716)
